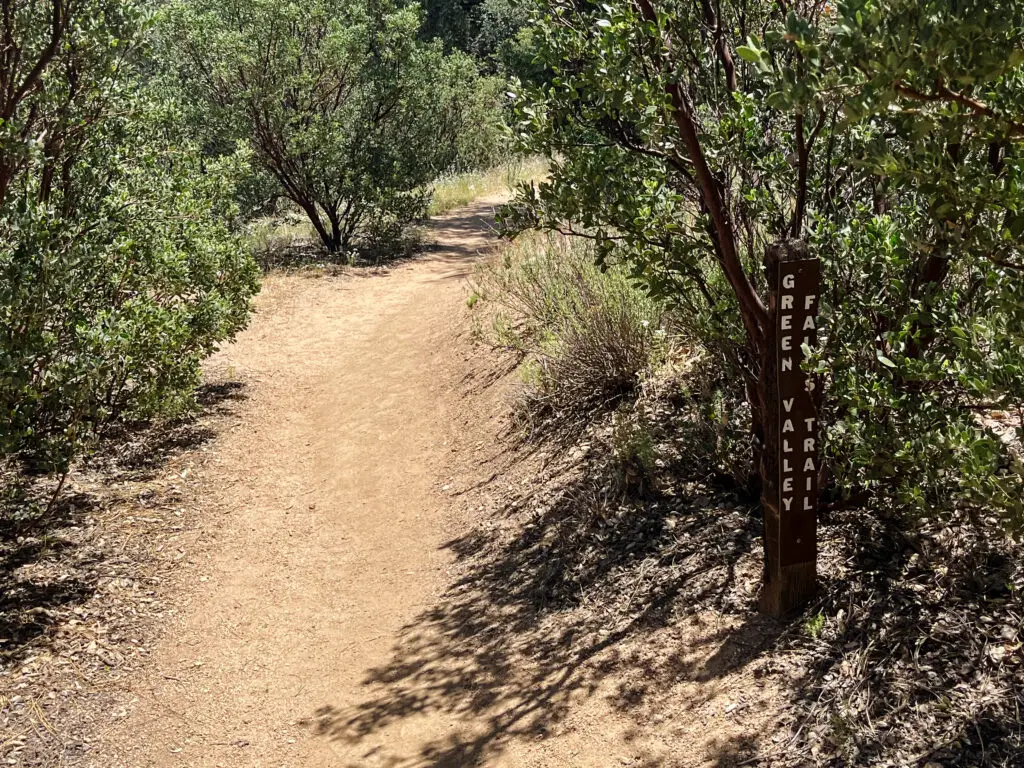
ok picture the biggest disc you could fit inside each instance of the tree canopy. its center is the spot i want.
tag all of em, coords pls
(688, 138)
(341, 102)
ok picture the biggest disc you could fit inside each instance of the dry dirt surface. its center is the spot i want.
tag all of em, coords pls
(333, 614)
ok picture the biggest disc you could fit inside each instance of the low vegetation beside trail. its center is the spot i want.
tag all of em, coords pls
(910, 651)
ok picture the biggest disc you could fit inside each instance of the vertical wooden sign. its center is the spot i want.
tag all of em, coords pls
(791, 456)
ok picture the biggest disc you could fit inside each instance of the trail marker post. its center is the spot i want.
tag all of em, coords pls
(791, 430)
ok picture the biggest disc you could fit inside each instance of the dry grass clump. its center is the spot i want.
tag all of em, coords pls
(588, 336)
(277, 233)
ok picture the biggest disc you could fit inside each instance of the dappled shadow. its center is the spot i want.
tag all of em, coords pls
(922, 631)
(51, 557)
(213, 397)
(743, 750)
(138, 451)
(545, 612)
(572, 593)
(569, 592)
(491, 375)
(30, 606)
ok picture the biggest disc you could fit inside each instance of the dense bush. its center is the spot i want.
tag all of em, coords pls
(118, 270)
(342, 104)
(479, 27)
(588, 335)
(688, 138)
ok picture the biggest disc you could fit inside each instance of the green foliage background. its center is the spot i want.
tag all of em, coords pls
(341, 103)
(136, 140)
(119, 269)
(886, 135)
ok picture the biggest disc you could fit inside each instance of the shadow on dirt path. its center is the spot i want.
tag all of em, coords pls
(531, 672)
(357, 604)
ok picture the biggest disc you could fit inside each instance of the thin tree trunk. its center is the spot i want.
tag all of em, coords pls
(326, 237)
(338, 238)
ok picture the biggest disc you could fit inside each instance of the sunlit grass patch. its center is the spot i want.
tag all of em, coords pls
(451, 192)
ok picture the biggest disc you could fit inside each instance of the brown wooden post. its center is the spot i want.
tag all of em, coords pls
(791, 456)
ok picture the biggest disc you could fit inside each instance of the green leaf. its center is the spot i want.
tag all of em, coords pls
(885, 361)
(749, 54)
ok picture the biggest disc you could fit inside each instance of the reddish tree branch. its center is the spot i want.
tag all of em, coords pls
(752, 308)
(944, 93)
(57, 29)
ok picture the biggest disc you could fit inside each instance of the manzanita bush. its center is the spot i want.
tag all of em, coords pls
(343, 105)
(118, 268)
(686, 137)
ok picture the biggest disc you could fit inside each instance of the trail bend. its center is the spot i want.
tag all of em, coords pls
(332, 517)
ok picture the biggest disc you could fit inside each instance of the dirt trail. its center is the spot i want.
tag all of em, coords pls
(332, 516)
(316, 627)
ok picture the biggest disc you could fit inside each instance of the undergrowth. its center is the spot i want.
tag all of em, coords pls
(588, 336)
(286, 239)
(913, 651)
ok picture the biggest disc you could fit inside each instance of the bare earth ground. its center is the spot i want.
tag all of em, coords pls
(332, 604)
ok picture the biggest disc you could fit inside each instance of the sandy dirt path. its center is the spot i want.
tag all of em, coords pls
(332, 614)
(332, 517)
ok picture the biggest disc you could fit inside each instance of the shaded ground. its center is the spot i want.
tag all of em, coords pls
(582, 630)
(83, 586)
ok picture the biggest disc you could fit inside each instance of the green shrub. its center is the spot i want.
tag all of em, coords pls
(590, 334)
(272, 238)
(814, 626)
(884, 135)
(710, 416)
(118, 269)
(342, 104)
(634, 452)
